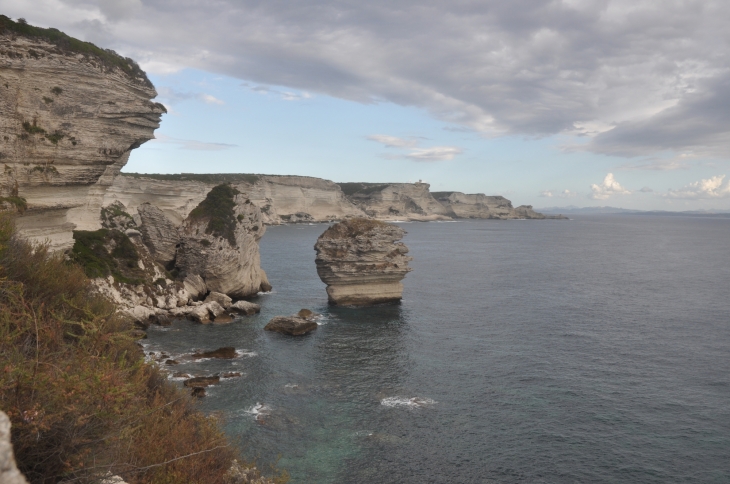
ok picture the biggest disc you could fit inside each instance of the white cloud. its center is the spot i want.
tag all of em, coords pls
(207, 98)
(704, 189)
(394, 141)
(437, 153)
(607, 189)
(558, 194)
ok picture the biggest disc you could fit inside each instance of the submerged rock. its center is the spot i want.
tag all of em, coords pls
(198, 392)
(202, 381)
(227, 352)
(291, 325)
(362, 262)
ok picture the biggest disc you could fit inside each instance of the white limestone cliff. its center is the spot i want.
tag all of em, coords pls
(69, 122)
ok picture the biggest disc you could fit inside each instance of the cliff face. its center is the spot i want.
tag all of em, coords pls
(281, 199)
(69, 122)
(362, 262)
(478, 205)
(396, 201)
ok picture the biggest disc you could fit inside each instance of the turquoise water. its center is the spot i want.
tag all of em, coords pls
(589, 350)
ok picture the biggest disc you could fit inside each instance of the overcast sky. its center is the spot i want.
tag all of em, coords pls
(573, 102)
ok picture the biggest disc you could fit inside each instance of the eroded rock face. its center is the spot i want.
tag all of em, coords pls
(477, 205)
(68, 125)
(159, 234)
(396, 201)
(220, 243)
(362, 262)
(9, 473)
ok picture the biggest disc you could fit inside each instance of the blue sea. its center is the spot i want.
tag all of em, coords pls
(592, 350)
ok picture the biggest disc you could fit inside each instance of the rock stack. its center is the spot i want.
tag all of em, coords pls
(362, 262)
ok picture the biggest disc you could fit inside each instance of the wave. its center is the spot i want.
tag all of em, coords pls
(414, 402)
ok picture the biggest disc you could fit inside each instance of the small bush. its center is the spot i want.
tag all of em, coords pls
(218, 209)
(20, 204)
(55, 137)
(33, 128)
(47, 100)
(107, 252)
(56, 90)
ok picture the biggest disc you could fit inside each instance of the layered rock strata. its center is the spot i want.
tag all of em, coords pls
(362, 262)
(282, 199)
(69, 122)
(396, 201)
(481, 206)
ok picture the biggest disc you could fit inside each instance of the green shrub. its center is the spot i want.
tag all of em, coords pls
(20, 204)
(92, 252)
(218, 209)
(33, 128)
(56, 90)
(361, 188)
(55, 137)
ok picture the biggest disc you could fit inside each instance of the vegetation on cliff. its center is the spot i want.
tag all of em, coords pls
(107, 252)
(82, 401)
(218, 209)
(201, 177)
(65, 43)
(361, 188)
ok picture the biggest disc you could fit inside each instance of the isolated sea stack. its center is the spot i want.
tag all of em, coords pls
(362, 262)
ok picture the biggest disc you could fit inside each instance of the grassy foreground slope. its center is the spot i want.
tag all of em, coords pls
(82, 401)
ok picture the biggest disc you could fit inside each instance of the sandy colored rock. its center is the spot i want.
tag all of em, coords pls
(9, 473)
(291, 325)
(245, 307)
(220, 298)
(69, 125)
(158, 234)
(396, 201)
(362, 262)
(195, 286)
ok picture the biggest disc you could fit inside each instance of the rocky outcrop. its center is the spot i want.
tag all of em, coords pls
(478, 205)
(396, 201)
(9, 473)
(219, 242)
(69, 122)
(158, 233)
(362, 262)
(290, 325)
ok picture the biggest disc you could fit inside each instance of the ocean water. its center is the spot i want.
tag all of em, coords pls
(590, 350)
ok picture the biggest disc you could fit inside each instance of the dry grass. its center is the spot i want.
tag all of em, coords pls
(81, 399)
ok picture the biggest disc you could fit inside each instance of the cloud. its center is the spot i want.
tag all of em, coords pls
(285, 95)
(208, 99)
(646, 190)
(189, 144)
(437, 153)
(637, 77)
(562, 194)
(394, 141)
(174, 96)
(607, 189)
(704, 189)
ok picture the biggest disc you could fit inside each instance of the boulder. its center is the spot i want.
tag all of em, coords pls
(9, 473)
(226, 352)
(195, 286)
(202, 381)
(200, 314)
(245, 307)
(230, 374)
(362, 262)
(220, 298)
(159, 234)
(291, 325)
(198, 392)
(308, 315)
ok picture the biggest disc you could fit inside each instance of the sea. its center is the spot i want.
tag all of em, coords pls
(590, 350)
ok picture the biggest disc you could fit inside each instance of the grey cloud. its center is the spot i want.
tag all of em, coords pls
(528, 67)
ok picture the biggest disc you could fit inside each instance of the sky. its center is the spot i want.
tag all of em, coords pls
(622, 103)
